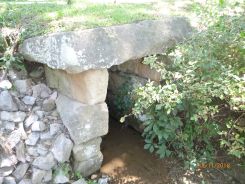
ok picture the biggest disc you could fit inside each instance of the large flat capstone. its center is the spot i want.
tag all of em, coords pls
(104, 47)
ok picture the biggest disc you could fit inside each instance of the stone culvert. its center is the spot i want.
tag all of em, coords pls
(76, 66)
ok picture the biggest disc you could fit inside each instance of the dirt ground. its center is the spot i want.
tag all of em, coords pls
(126, 162)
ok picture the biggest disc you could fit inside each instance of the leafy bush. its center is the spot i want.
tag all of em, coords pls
(205, 81)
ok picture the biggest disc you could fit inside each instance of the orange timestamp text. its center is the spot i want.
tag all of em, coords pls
(215, 165)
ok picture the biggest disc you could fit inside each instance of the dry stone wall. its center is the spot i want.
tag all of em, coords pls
(33, 139)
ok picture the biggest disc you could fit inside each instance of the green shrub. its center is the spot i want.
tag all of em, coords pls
(206, 76)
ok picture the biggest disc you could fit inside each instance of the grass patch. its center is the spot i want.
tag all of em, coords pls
(40, 17)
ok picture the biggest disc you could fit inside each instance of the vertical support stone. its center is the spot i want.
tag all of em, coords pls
(88, 87)
(84, 113)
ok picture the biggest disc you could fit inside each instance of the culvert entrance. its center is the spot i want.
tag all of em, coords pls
(125, 159)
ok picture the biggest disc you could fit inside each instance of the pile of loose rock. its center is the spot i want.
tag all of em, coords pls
(34, 143)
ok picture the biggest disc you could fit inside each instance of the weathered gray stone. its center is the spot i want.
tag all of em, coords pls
(20, 152)
(30, 120)
(9, 180)
(84, 122)
(29, 100)
(7, 160)
(45, 162)
(32, 151)
(80, 181)
(104, 180)
(55, 128)
(40, 114)
(88, 87)
(8, 125)
(62, 148)
(12, 116)
(48, 105)
(41, 90)
(48, 176)
(42, 150)
(20, 171)
(105, 46)
(46, 135)
(86, 150)
(136, 67)
(23, 86)
(119, 80)
(21, 105)
(25, 181)
(89, 166)
(6, 171)
(32, 138)
(38, 126)
(54, 95)
(6, 102)
(61, 178)
(37, 176)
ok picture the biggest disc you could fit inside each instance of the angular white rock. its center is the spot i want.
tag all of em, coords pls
(61, 178)
(41, 90)
(23, 86)
(38, 126)
(5, 84)
(62, 148)
(9, 180)
(29, 100)
(20, 171)
(80, 181)
(6, 102)
(25, 181)
(32, 139)
(30, 120)
(37, 175)
(44, 162)
(12, 116)
(48, 105)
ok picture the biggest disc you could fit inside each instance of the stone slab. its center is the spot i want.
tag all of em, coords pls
(88, 87)
(104, 47)
(86, 150)
(84, 122)
(89, 166)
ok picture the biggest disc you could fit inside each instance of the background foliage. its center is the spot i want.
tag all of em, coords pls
(200, 102)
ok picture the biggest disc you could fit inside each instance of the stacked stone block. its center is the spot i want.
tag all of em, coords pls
(84, 113)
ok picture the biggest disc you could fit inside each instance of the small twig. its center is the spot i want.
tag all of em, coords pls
(228, 175)
(235, 123)
(5, 42)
